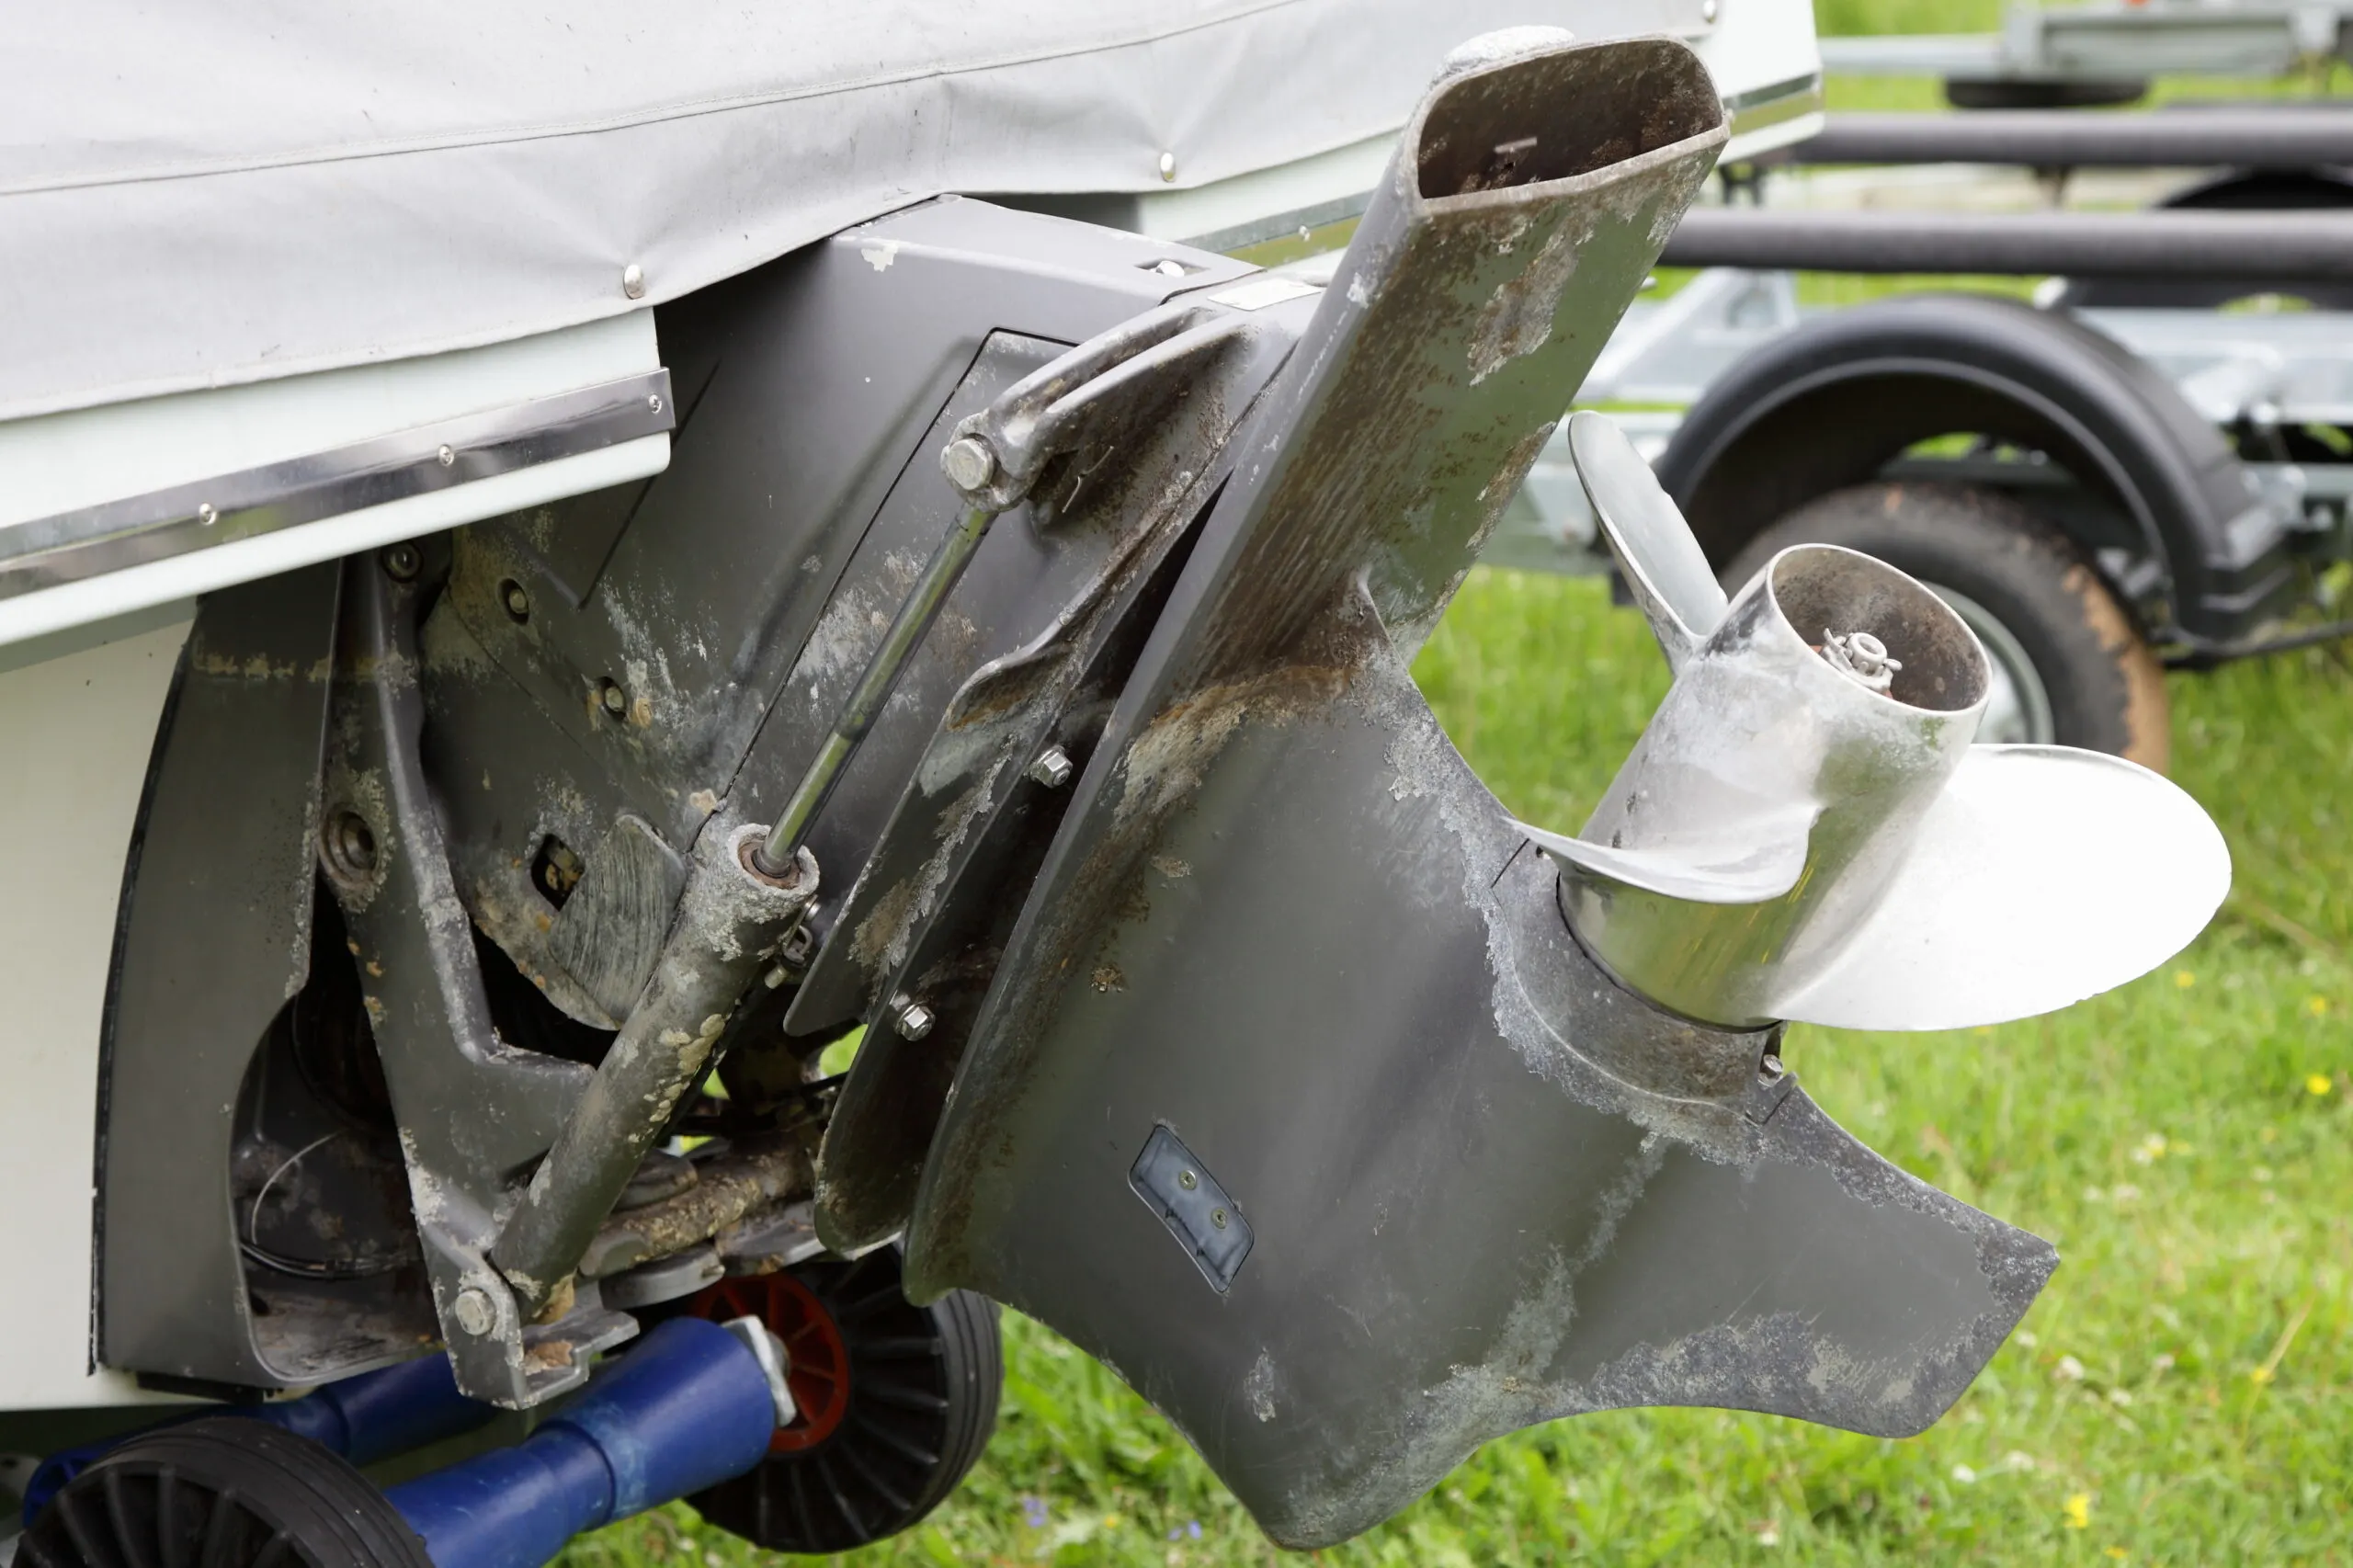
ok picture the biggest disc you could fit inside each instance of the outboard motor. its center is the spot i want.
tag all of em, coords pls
(1013, 663)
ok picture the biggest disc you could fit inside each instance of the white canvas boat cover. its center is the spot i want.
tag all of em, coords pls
(222, 191)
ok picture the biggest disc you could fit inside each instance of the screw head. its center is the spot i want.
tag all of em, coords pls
(1770, 1069)
(446, 457)
(473, 1311)
(653, 403)
(633, 282)
(615, 700)
(205, 515)
(968, 463)
(403, 563)
(1168, 166)
(914, 1021)
(1053, 767)
(1217, 1217)
(1187, 1180)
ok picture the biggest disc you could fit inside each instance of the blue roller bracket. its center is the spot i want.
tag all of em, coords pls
(692, 1405)
(366, 1418)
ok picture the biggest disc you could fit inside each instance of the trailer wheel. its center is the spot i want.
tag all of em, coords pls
(896, 1404)
(2069, 664)
(220, 1494)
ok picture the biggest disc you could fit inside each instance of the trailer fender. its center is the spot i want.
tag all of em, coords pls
(1831, 404)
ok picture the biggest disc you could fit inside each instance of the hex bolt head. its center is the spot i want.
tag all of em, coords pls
(402, 563)
(913, 1021)
(474, 1312)
(968, 463)
(633, 282)
(1770, 1069)
(1053, 767)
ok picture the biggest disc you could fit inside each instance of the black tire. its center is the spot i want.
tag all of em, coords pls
(898, 1401)
(2053, 620)
(224, 1494)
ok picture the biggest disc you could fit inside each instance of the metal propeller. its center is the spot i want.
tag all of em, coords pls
(1804, 830)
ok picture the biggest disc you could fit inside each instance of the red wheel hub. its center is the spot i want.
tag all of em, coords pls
(820, 1374)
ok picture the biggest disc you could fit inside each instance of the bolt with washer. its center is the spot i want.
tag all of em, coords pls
(913, 1020)
(1053, 767)
(968, 463)
(474, 1312)
(403, 563)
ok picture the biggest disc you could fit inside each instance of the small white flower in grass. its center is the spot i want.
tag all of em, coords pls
(2152, 1149)
(1963, 1474)
(1768, 1534)
(2162, 1361)
(2120, 1397)
(2026, 1336)
(2068, 1371)
(2017, 1462)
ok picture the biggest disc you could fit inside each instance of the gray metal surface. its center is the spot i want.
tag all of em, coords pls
(72, 546)
(472, 1109)
(1282, 919)
(2284, 135)
(215, 938)
(2270, 249)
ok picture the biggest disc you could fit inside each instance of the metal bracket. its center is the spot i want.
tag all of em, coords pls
(472, 1111)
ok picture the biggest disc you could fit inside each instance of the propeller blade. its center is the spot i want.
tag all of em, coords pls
(1763, 861)
(1654, 548)
(2041, 875)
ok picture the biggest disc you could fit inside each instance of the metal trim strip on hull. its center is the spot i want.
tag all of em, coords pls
(72, 547)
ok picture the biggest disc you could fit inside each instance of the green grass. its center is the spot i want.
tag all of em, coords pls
(2179, 1393)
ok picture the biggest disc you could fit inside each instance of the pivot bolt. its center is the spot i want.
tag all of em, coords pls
(1770, 1069)
(349, 847)
(474, 1312)
(913, 1020)
(968, 463)
(1053, 767)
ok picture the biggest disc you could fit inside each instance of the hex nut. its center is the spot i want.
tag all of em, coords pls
(968, 463)
(474, 1312)
(914, 1021)
(1053, 767)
